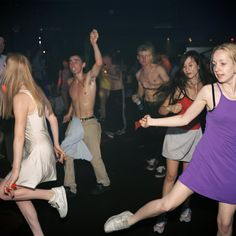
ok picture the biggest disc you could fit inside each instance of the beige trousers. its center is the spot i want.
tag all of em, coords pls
(92, 138)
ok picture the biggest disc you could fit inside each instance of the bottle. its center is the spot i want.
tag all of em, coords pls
(139, 104)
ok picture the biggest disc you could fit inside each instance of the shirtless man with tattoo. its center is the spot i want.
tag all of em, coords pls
(83, 93)
(150, 77)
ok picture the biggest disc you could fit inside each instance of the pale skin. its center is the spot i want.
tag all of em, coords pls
(22, 107)
(83, 86)
(190, 69)
(150, 77)
(225, 71)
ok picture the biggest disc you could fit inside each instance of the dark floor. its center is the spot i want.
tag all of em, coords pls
(132, 186)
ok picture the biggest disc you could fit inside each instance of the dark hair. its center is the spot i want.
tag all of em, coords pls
(180, 80)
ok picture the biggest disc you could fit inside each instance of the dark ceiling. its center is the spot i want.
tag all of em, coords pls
(126, 23)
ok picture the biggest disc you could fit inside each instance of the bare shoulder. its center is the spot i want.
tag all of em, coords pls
(138, 74)
(21, 101)
(206, 90)
(159, 68)
(206, 94)
(21, 97)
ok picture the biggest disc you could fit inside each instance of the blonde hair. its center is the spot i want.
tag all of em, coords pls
(16, 74)
(228, 47)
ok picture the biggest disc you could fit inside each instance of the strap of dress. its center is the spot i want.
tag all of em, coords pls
(30, 95)
(213, 96)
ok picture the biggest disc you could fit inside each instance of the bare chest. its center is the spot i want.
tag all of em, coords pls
(78, 89)
(150, 79)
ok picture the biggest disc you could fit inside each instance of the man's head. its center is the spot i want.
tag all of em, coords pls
(2, 44)
(76, 64)
(145, 54)
(107, 61)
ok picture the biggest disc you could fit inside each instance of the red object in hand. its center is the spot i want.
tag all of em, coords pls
(13, 186)
(137, 125)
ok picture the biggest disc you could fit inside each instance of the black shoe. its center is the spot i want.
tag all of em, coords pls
(100, 189)
(69, 194)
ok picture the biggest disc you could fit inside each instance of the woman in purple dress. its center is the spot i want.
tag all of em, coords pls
(214, 158)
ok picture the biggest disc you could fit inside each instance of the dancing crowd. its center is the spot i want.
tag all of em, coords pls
(190, 111)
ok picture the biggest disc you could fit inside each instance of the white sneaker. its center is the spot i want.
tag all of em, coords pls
(186, 215)
(59, 201)
(151, 164)
(117, 222)
(159, 227)
(160, 172)
(110, 134)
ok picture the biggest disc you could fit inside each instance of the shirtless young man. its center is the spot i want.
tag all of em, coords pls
(83, 93)
(150, 77)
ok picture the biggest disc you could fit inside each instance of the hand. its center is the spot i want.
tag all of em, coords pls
(10, 185)
(94, 36)
(135, 98)
(145, 121)
(176, 108)
(60, 154)
(66, 118)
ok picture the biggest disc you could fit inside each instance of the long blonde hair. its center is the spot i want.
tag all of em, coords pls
(17, 73)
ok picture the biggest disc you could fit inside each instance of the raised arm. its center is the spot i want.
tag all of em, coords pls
(202, 100)
(97, 54)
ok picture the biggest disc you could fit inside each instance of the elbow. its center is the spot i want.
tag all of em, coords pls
(99, 63)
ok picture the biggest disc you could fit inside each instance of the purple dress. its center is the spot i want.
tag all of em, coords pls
(212, 170)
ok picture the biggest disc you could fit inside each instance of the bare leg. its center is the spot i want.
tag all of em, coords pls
(186, 203)
(171, 175)
(56, 197)
(169, 202)
(24, 194)
(30, 214)
(225, 219)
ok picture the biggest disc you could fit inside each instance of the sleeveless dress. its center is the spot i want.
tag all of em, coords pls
(212, 170)
(38, 162)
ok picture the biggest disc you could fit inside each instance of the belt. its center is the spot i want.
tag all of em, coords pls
(87, 118)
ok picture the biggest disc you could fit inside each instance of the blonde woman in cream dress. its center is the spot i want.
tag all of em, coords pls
(34, 155)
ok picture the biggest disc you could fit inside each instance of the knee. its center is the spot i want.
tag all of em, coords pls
(166, 206)
(170, 177)
(224, 225)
